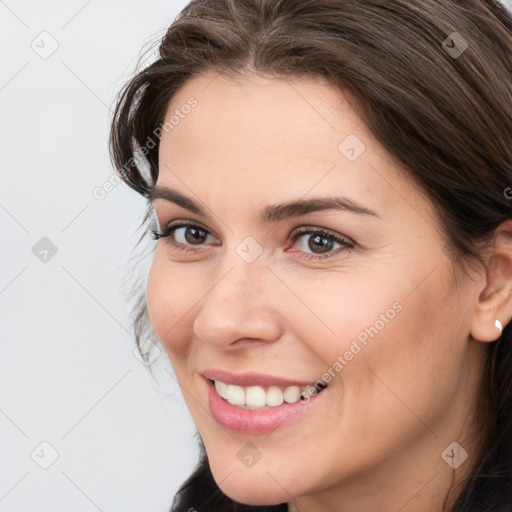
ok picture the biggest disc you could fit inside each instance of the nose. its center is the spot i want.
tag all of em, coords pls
(241, 305)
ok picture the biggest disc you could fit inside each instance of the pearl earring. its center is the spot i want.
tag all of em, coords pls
(498, 325)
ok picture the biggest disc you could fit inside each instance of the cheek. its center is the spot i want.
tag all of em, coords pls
(375, 328)
(169, 298)
(344, 315)
(409, 362)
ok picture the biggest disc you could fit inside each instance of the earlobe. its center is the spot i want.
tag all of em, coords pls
(486, 331)
(493, 308)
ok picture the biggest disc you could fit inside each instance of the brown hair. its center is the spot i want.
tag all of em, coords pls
(443, 110)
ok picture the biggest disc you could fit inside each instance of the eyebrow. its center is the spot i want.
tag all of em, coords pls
(271, 213)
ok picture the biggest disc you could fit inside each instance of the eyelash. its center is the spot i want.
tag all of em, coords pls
(171, 228)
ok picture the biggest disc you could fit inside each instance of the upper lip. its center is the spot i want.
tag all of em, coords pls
(252, 379)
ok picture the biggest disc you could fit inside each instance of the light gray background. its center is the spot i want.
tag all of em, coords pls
(67, 372)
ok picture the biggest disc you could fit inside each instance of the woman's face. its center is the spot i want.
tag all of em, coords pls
(351, 286)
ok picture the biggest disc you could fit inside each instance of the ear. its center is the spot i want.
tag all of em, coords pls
(495, 300)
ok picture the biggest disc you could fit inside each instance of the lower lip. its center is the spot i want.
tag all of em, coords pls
(257, 421)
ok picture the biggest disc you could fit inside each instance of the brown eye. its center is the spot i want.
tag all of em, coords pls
(315, 243)
(192, 235)
(320, 243)
(183, 235)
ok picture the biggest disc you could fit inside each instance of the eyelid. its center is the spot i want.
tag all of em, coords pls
(320, 230)
(346, 243)
(182, 223)
(171, 227)
(179, 223)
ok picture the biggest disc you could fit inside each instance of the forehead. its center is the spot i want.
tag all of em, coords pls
(287, 137)
(286, 118)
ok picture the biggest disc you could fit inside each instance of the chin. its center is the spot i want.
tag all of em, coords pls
(249, 486)
(247, 492)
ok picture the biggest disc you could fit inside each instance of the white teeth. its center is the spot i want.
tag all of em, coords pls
(221, 388)
(256, 397)
(291, 395)
(274, 396)
(235, 395)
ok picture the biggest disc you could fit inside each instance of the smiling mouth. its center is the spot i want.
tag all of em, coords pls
(264, 397)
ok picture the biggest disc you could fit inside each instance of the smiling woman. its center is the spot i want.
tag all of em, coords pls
(332, 279)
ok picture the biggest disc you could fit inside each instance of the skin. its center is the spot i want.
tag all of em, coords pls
(374, 441)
